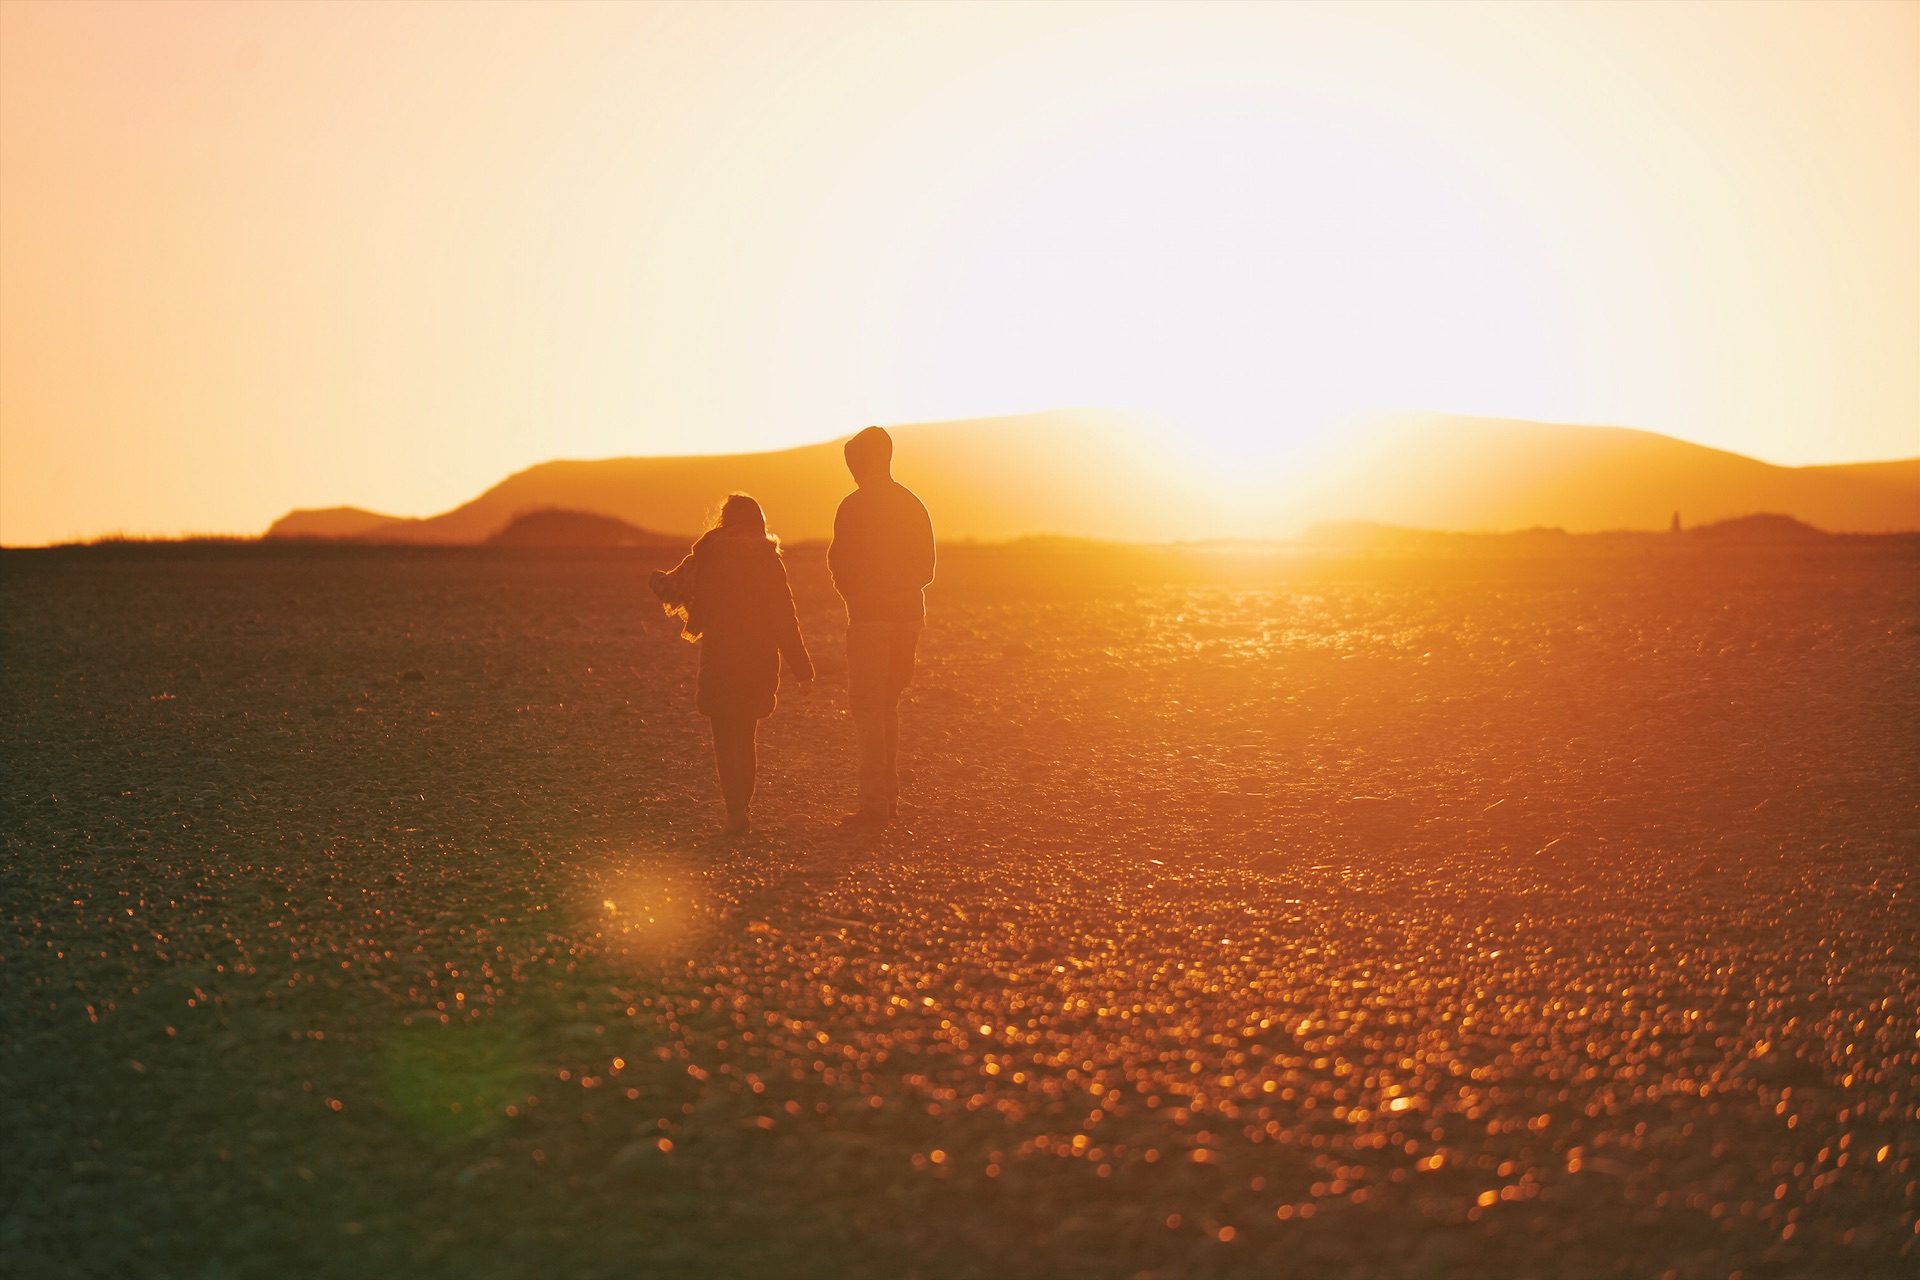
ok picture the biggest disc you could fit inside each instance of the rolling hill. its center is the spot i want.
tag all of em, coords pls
(559, 527)
(1437, 472)
(1093, 474)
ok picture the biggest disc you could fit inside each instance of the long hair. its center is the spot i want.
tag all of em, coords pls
(742, 515)
(738, 517)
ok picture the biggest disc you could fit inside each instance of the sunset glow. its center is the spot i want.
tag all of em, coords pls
(955, 639)
(255, 257)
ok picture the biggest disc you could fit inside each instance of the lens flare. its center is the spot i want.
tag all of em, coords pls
(455, 1080)
(652, 913)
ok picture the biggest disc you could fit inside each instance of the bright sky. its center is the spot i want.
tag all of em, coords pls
(256, 256)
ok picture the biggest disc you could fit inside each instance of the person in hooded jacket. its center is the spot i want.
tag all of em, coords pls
(731, 595)
(882, 560)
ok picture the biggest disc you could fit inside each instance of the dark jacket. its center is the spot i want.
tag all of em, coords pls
(882, 554)
(732, 595)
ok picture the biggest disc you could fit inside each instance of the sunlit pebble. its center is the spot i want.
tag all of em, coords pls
(1416, 993)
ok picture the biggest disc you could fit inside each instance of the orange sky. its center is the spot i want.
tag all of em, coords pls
(257, 256)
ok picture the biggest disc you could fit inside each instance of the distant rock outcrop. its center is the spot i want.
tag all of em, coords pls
(331, 523)
(1763, 527)
(559, 527)
(1093, 474)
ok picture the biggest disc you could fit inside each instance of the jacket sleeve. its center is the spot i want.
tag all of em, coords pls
(792, 647)
(675, 586)
(925, 556)
(841, 552)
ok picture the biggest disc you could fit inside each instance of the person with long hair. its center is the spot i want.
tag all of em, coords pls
(731, 595)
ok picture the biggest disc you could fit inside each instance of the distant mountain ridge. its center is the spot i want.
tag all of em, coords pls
(1093, 474)
(1490, 474)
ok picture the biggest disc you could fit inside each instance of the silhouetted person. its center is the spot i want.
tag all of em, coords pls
(882, 560)
(731, 595)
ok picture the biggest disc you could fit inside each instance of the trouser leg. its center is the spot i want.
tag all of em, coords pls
(877, 731)
(867, 704)
(746, 763)
(723, 758)
(892, 730)
(876, 763)
(900, 651)
(736, 760)
(879, 668)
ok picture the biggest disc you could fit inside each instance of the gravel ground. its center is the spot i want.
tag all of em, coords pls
(364, 914)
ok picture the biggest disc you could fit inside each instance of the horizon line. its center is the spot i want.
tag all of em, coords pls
(1369, 416)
